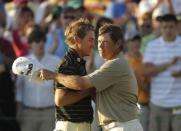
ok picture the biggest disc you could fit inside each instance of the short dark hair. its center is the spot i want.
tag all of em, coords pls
(136, 38)
(56, 12)
(113, 30)
(168, 18)
(26, 9)
(100, 22)
(36, 35)
(67, 10)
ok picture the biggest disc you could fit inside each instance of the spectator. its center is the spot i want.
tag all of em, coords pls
(55, 42)
(12, 14)
(8, 120)
(67, 16)
(134, 58)
(163, 64)
(45, 8)
(37, 99)
(179, 24)
(20, 32)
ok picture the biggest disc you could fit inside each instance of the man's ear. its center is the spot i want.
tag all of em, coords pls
(76, 39)
(120, 44)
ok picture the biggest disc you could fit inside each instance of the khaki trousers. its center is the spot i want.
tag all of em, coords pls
(70, 126)
(132, 125)
(37, 120)
(164, 119)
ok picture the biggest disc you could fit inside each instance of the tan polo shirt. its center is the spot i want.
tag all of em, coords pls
(116, 91)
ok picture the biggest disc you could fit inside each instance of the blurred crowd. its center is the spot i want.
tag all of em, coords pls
(143, 23)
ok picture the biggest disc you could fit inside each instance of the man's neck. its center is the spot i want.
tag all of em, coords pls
(78, 52)
(39, 56)
(134, 54)
(116, 53)
(170, 39)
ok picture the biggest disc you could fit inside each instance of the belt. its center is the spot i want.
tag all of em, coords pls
(38, 108)
(111, 125)
(116, 124)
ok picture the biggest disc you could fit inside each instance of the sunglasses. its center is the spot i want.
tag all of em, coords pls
(69, 17)
(146, 26)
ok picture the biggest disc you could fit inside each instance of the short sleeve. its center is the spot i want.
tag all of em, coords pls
(107, 75)
(149, 55)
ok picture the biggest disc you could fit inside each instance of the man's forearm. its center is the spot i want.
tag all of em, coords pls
(153, 70)
(73, 81)
(176, 73)
(67, 97)
(70, 81)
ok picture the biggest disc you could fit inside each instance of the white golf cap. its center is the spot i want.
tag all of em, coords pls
(25, 66)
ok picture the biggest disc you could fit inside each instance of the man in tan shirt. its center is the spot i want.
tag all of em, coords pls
(115, 83)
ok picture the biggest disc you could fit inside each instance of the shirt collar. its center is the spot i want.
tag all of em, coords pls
(76, 56)
(169, 44)
(35, 58)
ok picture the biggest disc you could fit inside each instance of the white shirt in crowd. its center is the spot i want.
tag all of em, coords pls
(34, 94)
(165, 89)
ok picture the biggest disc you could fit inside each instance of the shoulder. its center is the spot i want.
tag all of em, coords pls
(155, 42)
(115, 64)
(67, 60)
(66, 64)
(54, 57)
(178, 39)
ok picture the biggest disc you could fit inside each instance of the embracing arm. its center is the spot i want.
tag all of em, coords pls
(70, 81)
(65, 97)
(73, 81)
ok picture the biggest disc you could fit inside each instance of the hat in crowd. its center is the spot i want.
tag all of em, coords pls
(20, 2)
(24, 66)
(168, 17)
(160, 11)
(76, 4)
(132, 35)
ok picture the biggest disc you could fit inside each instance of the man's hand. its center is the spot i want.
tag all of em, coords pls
(45, 74)
(176, 73)
(175, 60)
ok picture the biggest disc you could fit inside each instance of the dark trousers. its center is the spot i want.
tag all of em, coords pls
(8, 120)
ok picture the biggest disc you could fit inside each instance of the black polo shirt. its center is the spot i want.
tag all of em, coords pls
(80, 111)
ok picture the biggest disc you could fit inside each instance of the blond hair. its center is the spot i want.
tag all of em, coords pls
(77, 28)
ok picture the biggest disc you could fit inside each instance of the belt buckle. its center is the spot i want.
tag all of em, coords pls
(110, 125)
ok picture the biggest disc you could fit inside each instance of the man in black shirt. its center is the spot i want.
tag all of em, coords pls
(73, 108)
